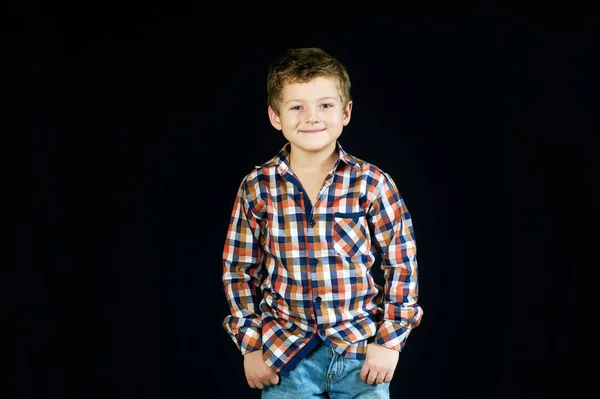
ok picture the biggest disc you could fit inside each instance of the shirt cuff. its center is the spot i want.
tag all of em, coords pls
(248, 339)
(392, 334)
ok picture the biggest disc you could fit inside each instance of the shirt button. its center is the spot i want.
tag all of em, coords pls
(312, 222)
(314, 261)
(318, 299)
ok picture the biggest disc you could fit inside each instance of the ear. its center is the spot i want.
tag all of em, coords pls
(274, 118)
(346, 113)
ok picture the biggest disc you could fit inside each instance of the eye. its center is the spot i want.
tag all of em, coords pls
(326, 105)
(295, 108)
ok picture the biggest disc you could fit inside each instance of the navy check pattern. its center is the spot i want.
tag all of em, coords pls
(294, 271)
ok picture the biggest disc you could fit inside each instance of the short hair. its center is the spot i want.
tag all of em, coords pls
(300, 65)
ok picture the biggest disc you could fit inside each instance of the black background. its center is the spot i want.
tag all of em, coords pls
(144, 119)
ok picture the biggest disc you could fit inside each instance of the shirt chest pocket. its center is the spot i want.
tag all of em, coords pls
(350, 234)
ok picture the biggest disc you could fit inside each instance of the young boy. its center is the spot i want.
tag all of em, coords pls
(303, 234)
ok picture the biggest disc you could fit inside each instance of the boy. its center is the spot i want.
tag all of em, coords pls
(303, 232)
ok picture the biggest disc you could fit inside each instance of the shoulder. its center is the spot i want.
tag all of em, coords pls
(255, 184)
(375, 181)
(368, 170)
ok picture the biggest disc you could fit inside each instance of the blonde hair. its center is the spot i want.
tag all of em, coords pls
(300, 65)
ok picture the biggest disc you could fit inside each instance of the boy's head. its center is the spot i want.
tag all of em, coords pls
(301, 66)
(309, 99)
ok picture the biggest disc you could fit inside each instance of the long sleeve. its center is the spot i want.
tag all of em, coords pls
(242, 259)
(393, 234)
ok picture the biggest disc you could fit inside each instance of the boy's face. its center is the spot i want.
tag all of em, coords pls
(312, 114)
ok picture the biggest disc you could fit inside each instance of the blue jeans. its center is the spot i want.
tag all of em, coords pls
(326, 374)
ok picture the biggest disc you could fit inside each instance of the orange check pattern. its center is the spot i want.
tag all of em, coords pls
(294, 273)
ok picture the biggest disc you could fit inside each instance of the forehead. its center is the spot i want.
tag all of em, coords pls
(317, 87)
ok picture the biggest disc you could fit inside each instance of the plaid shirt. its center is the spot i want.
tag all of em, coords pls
(311, 265)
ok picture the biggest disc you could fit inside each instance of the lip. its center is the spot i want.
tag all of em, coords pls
(312, 131)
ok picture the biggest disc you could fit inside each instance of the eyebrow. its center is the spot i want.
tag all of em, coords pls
(318, 99)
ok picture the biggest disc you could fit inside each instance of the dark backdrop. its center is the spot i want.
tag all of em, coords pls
(144, 120)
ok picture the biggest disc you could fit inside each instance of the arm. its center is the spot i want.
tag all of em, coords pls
(393, 234)
(242, 260)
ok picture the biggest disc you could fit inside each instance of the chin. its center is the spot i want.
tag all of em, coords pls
(318, 146)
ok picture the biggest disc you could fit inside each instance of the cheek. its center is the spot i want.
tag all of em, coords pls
(335, 117)
(291, 120)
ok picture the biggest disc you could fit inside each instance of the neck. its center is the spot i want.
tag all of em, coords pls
(313, 162)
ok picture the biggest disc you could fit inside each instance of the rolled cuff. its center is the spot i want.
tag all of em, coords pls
(392, 334)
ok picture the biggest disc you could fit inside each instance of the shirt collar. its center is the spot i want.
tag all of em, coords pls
(281, 159)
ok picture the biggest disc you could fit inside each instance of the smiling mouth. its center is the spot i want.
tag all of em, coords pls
(312, 131)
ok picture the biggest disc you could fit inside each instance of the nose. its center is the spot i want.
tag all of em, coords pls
(312, 115)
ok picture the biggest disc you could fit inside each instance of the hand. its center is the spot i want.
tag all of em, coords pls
(258, 374)
(379, 365)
